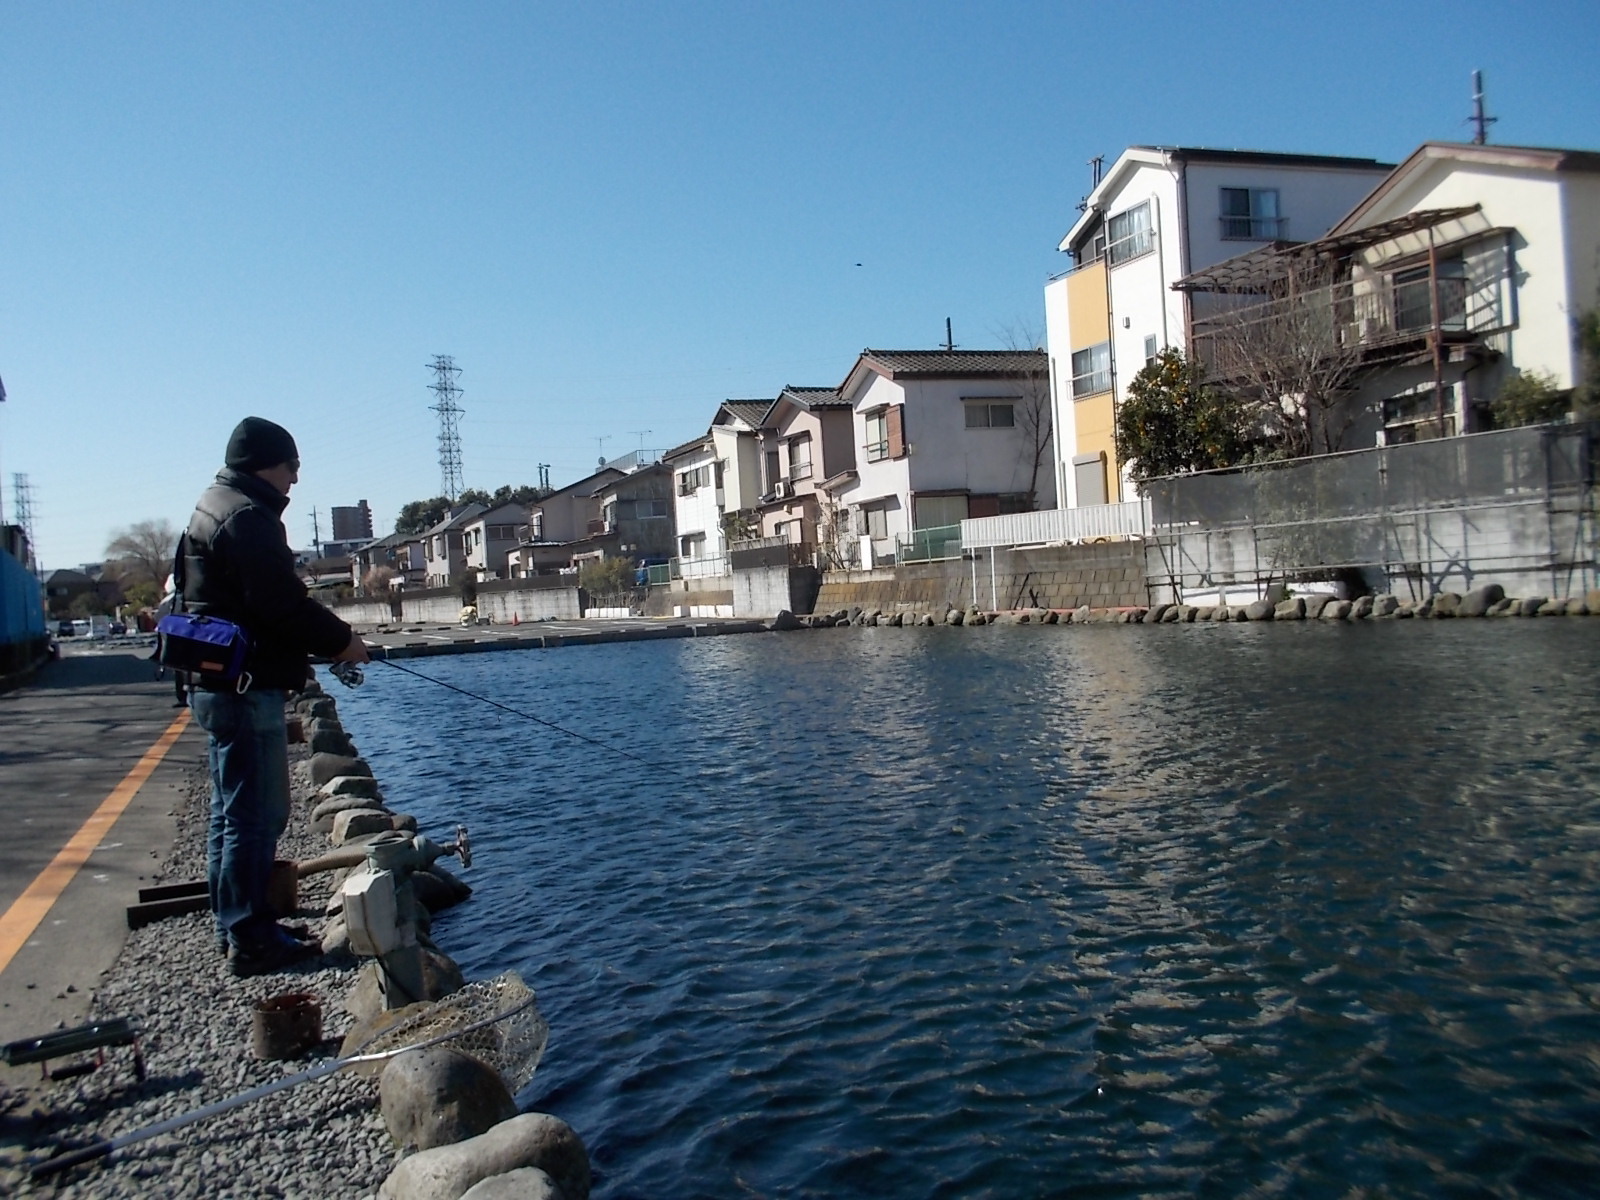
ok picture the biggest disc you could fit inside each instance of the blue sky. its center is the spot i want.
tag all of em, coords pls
(614, 216)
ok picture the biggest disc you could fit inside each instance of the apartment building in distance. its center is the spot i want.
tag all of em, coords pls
(1159, 214)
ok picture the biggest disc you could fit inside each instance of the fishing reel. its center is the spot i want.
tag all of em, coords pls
(347, 673)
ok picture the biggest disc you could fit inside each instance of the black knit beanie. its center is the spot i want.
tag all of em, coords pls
(257, 444)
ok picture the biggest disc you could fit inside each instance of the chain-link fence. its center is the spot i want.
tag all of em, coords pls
(1516, 507)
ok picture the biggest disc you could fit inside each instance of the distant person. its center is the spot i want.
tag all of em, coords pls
(168, 606)
(237, 565)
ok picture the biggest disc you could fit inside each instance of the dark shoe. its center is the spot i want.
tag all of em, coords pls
(271, 958)
(300, 933)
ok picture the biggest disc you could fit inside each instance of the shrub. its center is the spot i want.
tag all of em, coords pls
(1529, 398)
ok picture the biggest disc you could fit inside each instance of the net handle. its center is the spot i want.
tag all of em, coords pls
(378, 1055)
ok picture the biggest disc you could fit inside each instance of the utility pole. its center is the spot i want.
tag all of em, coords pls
(544, 477)
(316, 536)
(1479, 121)
(22, 505)
(446, 393)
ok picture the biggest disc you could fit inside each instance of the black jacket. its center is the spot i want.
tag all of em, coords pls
(237, 565)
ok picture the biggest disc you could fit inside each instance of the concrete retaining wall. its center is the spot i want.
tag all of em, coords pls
(442, 606)
(1106, 575)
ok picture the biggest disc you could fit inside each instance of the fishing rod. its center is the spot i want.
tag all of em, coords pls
(349, 674)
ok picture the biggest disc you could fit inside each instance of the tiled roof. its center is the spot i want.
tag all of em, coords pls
(463, 517)
(751, 412)
(817, 397)
(902, 364)
(688, 447)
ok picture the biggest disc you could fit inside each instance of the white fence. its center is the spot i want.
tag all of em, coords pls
(1058, 526)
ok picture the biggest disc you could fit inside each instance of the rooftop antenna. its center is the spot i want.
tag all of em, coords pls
(600, 445)
(1097, 166)
(544, 477)
(949, 338)
(1480, 121)
(446, 393)
(640, 434)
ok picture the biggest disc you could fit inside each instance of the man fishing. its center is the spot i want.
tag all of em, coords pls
(237, 566)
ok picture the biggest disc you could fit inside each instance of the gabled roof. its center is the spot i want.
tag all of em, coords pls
(752, 412)
(489, 513)
(462, 516)
(584, 487)
(1166, 156)
(944, 364)
(687, 448)
(814, 397)
(66, 575)
(1533, 158)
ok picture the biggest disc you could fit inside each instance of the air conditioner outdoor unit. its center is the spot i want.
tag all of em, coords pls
(783, 490)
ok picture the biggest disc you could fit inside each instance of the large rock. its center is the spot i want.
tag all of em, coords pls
(1552, 608)
(440, 1096)
(1259, 610)
(1446, 604)
(1338, 610)
(330, 766)
(955, 617)
(1478, 601)
(1591, 602)
(354, 822)
(1503, 608)
(525, 1183)
(1081, 614)
(351, 785)
(436, 889)
(531, 1140)
(1361, 608)
(783, 622)
(1293, 609)
(1222, 612)
(440, 978)
(322, 819)
(1316, 602)
(1385, 605)
(320, 708)
(1531, 605)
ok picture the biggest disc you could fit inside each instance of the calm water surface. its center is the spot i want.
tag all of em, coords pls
(1013, 912)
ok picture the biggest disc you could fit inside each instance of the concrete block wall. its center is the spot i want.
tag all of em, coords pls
(1104, 575)
(443, 607)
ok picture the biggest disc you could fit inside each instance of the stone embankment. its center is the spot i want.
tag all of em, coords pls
(1487, 601)
(434, 1124)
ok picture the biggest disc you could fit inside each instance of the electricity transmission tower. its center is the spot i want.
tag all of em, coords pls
(22, 506)
(446, 393)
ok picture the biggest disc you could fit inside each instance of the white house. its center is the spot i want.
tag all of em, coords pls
(489, 536)
(808, 438)
(1465, 266)
(1160, 213)
(943, 435)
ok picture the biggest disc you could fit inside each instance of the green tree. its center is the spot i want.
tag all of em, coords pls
(1529, 398)
(1588, 397)
(610, 577)
(141, 595)
(88, 604)
(1172, 422)
(421, 514)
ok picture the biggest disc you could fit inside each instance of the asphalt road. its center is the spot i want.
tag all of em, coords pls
(68, 738)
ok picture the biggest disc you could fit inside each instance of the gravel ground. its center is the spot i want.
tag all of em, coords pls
(319, 1139)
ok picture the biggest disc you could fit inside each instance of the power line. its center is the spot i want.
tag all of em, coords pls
(446, 393)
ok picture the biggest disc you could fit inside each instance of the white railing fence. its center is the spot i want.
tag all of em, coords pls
(1052, 526)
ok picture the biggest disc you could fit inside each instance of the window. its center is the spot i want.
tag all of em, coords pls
(502, 533)
(644, 510)
(878, 435)
(1093, 248)
(1128, 234)
(934, 512)
(1251, 214)
(800, 458)
(1151, 349)
(873, 521)
(990, 414)
(692, 545)
(1413, 296)
(692, 480)
(1091, 370)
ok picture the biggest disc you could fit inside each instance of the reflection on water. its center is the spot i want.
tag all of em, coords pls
(1014, 911)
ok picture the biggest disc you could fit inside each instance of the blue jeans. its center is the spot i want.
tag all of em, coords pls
(249, 759)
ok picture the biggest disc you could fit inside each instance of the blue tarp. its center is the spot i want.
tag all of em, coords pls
(21, 603)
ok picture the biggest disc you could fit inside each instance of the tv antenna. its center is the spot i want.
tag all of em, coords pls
(1479, 120)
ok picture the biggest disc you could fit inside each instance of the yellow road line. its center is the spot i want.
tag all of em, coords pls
(23, 917)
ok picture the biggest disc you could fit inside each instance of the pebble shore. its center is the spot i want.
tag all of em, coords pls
(325, 1138)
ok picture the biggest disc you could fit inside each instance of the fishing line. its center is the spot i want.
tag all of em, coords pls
(517, 712)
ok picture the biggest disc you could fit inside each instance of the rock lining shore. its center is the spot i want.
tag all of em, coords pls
(1487, 601)
(323, 1138)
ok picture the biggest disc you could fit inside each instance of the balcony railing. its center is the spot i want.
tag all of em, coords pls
(928, 545)
(1254, 229)
(1368, 316)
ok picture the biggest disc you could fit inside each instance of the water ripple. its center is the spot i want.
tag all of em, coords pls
(1022, 912)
